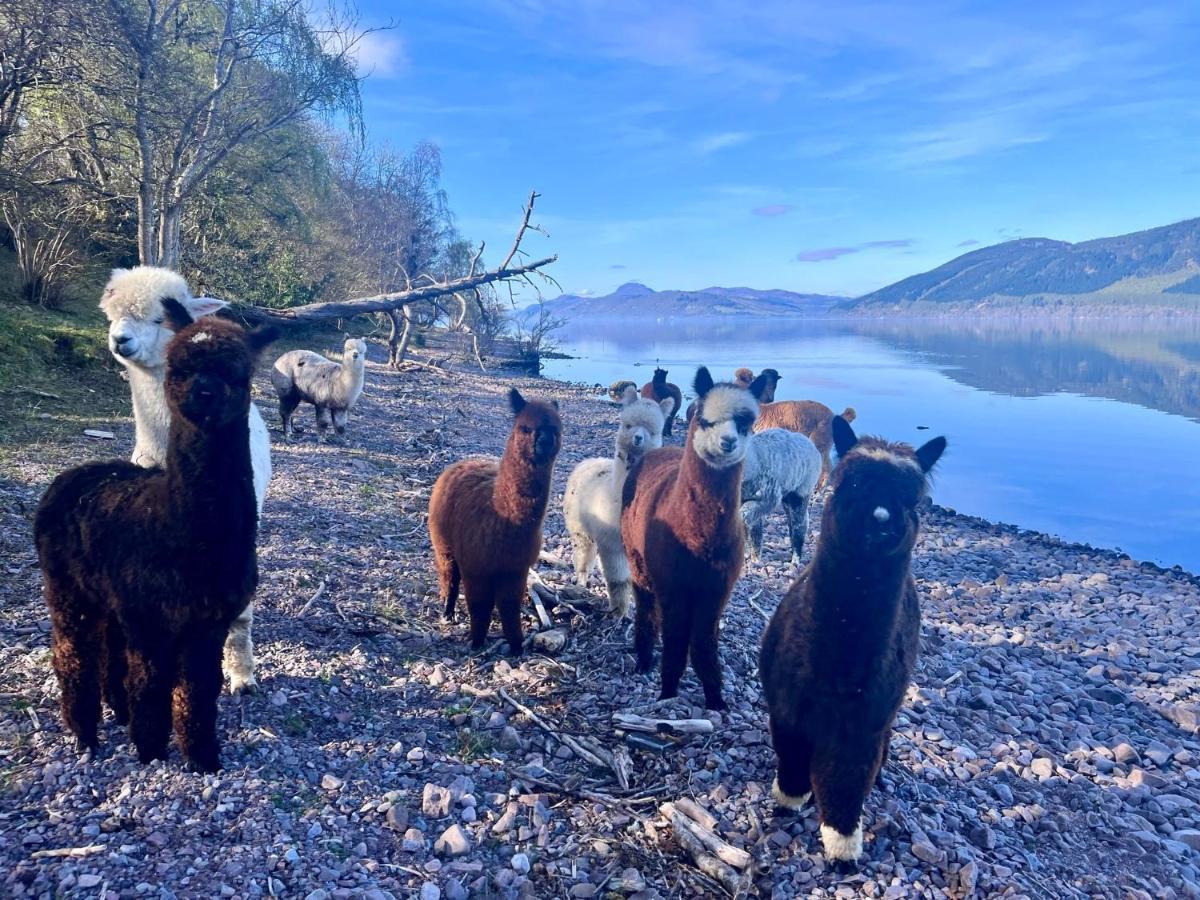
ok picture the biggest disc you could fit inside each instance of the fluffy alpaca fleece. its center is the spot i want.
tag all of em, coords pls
(781, 467)
(684, 538)
(485, 521)
(616, 390)
(592, 504)
(743, 378)
(807, 417)
(333, 388)
(773, 378)
(139, 608)
(658, 388)
(138, 334)
(839, 652)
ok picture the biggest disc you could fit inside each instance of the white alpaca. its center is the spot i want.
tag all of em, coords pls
(138, 335)
(302, 376)
(592, 504)
(781, 467)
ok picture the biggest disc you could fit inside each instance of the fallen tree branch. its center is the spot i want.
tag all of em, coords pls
(311, 600)
(71, 852)
(595, 755)
(632, 722)
(393, 300)
(687, 836)
(724, 851)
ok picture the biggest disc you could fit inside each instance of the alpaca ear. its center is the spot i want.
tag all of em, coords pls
(176, 314)
(516, 401)
(844, 437)
(260, 337)
(204, 306)
(629, 396)
(759, 385)
(703, 383)
(667, 406)
(929, 453)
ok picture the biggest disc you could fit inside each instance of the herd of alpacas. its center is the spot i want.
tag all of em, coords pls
(141, 619)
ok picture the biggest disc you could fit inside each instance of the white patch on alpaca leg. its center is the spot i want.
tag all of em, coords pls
(845, 847)
(239, 654)
(787, 801)
(620, 596)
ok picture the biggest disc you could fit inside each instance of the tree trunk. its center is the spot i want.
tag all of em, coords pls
(170, 236)
(399, 336)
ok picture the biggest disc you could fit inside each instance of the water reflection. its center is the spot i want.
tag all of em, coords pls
(1084, 429)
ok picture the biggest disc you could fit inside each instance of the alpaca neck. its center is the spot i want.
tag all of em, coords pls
(859, 593)
(349, 383)
(522, 488)
(707, 497)
(151, 417)
(623, 461)
(210, 481)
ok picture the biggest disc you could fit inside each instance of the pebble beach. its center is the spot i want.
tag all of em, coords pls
(1047, 748)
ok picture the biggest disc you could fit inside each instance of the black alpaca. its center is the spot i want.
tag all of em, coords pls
(839, 652)
(139, 609)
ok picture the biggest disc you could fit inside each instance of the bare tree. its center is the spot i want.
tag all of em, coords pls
(187, 84)
(33, 34)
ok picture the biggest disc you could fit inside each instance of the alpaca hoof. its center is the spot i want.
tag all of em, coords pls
(667, 695)
(645, 666)
(239, 686)
(145, 757)
(846, 848)
(204, 764)
(787, 801)
(85, 747)
(716, 704)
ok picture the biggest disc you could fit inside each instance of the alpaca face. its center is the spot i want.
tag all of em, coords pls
(660, 376)
(877, 487)
(354, 352)
(209, 367)
(725, 413)
(641, 424)
(537, 430)
(138, 328)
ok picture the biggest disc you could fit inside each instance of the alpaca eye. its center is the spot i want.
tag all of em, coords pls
(525, 429)
(159, 320)
(704, 423)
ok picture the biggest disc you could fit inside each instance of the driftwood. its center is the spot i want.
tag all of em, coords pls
(311, 600)
(632, 722)
(70, 852)
(396, 300)
(714, 857)
(589, 752)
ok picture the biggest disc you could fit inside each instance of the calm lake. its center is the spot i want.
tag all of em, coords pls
(1088, 430)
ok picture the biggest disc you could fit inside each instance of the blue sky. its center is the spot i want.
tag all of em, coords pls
(810, 146)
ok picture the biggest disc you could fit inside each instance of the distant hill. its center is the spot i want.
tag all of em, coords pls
(1159, 267)
(637, 300)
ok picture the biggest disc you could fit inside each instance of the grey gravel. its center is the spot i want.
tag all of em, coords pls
(1047, 748)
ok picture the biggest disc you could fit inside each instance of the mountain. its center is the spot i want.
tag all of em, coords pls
(1158, 267)
(637, 300)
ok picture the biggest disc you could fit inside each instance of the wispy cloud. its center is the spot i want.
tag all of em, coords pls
(618, 266)
(380, 54)
(969, 242)
(722, 141)
(824, 254)
(771, 210)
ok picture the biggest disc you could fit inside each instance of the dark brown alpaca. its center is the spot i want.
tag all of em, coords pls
(683, 533)
(839, 652)
(485, 521)
(139, 612)
(773, 378)
(660, 389)
(808, 417)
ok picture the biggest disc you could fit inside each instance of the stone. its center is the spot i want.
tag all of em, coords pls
(331, 782)
(430, 891)
(397, 818)
(1125, 754)
(454, 842)
(1042, 768)
(1189, 836)
(89, 880)
(435, 801)
(927, 853)
(520, 863)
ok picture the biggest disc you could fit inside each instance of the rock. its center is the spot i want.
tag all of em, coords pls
(1158, 753)
(397, 818)
(157, 839)
(927, 853)
(550, 641)
(1042, 768)
(583, 891)
(89, 880)
(331, 782)
(520, 863)
(435, 801)
(430, 891)
(983, 837)
(1189, 836)
(454, 890)
(631, 881)
(1125, 754)
(509, 738)
(454, 842)
(968, 876)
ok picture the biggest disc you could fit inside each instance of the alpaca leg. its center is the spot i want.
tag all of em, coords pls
(113, 661)
(617, 578)
(448, 582)
(194, 701)
(675, 637)
(287, 409)
(239, 653)
(645, 629)
(323, 421)
(792, 788)
(796, 507)
(509, 594)
(76, 650)
(584, 556)
(339, 421)
(149, 682)
(480, 603)
(842, 776)
(825, 467)
(754, 516)
(706, 660)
